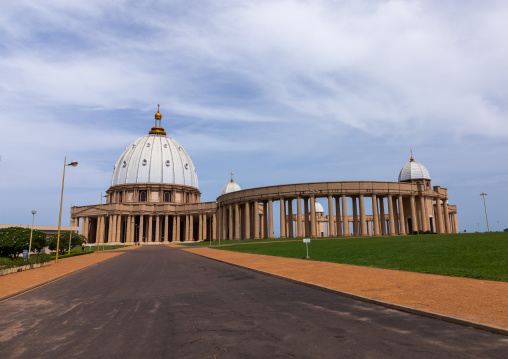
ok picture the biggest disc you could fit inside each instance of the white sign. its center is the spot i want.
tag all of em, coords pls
(306, 240)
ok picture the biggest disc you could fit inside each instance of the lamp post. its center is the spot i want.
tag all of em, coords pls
(478, 227)
(498, 227)
(73, 164)
(32, 230)
(70, 235)
(485, 206)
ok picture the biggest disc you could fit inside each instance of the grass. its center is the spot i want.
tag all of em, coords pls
(206, 242)
(77, 251)
(474, 255)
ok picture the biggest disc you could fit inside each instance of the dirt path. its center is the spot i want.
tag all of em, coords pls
(479, 301)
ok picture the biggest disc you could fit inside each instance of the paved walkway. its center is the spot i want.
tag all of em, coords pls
(15, 283)
(477, 301)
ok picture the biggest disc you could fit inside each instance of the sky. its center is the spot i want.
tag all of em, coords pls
(274, 91)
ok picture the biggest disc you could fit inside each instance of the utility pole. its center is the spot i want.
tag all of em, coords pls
(485, 206)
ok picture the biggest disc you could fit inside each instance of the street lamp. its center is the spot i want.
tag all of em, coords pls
(31, 232)
(498, 227)
(484, 205)
(73, 164)
(478, 227)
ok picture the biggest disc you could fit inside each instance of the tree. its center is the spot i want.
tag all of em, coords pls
(505, 230)
(76, 240)
(13, 240)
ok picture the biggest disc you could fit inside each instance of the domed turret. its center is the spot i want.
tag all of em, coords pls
(155, 158)
(413, 171)
(319, 208)
(230, 187)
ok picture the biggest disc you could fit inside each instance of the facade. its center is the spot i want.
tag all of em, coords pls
(154, 198)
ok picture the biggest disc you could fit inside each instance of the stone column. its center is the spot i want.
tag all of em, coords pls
(149, 236)
(231, 227)
(446, 216)
(306, 217)
(178, 237)
(425, 218)
(355, 216)
(395, 215)
(439, 216)
(83, 226)
(382, 217)
(141, 223)
(414, 220)
(190, 227)
(363, 224)
(375, 216)
(173, 229)
(338, 226)
(112, 228)
(166, 228)
(401, 216)
(313, 217)
(248, 234)
(265, 219)
(455, 223)
(290, 219)
(299, 232)
(270, 218)
(118, 236)
(331, 226)
(237, 222)
(157, 228)
(390, 215)
(214, 226)
(345, 220)
(256, 219)
(282, 218)
(128, 235)
(225, 221)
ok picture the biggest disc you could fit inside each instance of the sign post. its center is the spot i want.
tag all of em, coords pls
(307, 241)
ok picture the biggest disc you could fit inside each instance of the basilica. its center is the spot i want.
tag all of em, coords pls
(154, 198)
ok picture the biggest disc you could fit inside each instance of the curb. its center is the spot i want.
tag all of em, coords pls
(398, 307)
(8, 296)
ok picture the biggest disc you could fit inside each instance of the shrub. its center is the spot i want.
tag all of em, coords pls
(13, 240)
(76, 240)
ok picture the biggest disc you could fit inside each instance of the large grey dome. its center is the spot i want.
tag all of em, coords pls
(413, 171)
(155, 158)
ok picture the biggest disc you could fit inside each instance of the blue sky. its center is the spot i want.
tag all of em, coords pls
(275, 91)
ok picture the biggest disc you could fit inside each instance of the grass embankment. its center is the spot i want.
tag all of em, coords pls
(474, 255)
(77, 251)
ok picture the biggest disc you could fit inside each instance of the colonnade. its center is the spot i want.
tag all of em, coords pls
(147, 228)
(410, 210)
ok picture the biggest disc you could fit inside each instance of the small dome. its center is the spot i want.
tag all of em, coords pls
(230, 187)
(319, 208)
(413, 171)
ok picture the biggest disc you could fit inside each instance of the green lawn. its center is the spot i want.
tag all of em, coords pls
(474, 255)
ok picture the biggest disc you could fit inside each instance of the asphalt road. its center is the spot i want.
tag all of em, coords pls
(160, 302)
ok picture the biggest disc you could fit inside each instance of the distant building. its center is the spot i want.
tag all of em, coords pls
(154, 198)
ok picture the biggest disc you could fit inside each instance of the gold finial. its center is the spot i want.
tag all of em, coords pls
(231, 177)
(157, 129)
(412, 159)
